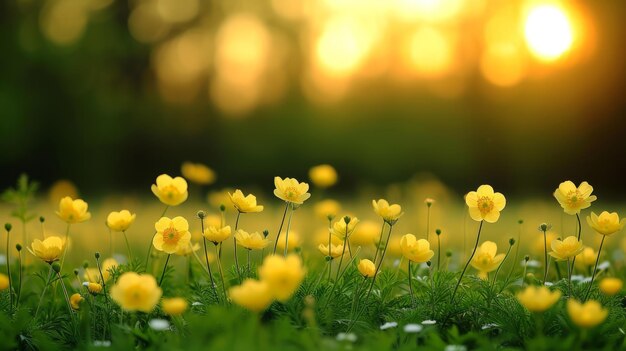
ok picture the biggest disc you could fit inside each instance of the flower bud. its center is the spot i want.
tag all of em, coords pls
(18, 247)
(201, 214)
(56, 267)
(8, 227)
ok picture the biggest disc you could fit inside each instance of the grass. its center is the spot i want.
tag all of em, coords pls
(323, 314)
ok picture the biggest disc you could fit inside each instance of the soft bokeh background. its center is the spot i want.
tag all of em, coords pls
(519, 94)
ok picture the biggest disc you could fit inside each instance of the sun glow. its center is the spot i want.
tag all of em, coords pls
(548, 32)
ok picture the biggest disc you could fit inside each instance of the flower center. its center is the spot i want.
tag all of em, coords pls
(171, 236)
(170, 191)
(574, 198)
(136, 295)
(485, 205)
(291, 193)
(484, 259)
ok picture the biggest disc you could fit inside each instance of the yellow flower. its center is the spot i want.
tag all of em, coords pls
(197, 173)
(390, 213)
(367, 268)
(283, 275)
(252, 294)
(174, 306)
(136, 292)
(538, 299)
(341, 228)
(94, 288)
(188, 249)
(567, 248)
(4, 281)
(367, 233)
(326, 208)
(611, 286)
(290, 190)
(586, 258)
(335, 250)
(244, 204)
(217, 235)
(486, 260)
(251, 241)
(586, 315)
(120, 221)
(294, 241)
(170, 191)
(73, 211)
(484, 204)
(323, 176)
(415, 250)
(76, 300)
(606, 223)
(574, 199)
(49, 249)
(172, 234)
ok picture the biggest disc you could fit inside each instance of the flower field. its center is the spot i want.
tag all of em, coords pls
(289, 266)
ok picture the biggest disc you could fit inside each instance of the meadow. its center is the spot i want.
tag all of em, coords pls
(292, 265)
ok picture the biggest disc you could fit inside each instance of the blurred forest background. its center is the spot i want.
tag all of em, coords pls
(518, 94)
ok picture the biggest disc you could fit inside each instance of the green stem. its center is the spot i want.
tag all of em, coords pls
(164, 268)
(480, 227)
(9, 273)
(410, 276)
(558, 270)
(569, 279)
(355, 299)
(130, 252)
(380, 239)
(67, 244)
(508, 276)
(206, 257)
(235, 243)
(104, 286)
(19, 266)
(287, 232)
(495, 276)
(280, 228)
(67, 297)
(595, 268)
(345, 239)
(580, 229)
(369, 291)
(438, 252)
(248, 269)
(219, 266)
(43, 292)
(545, 258)
(208, 266)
